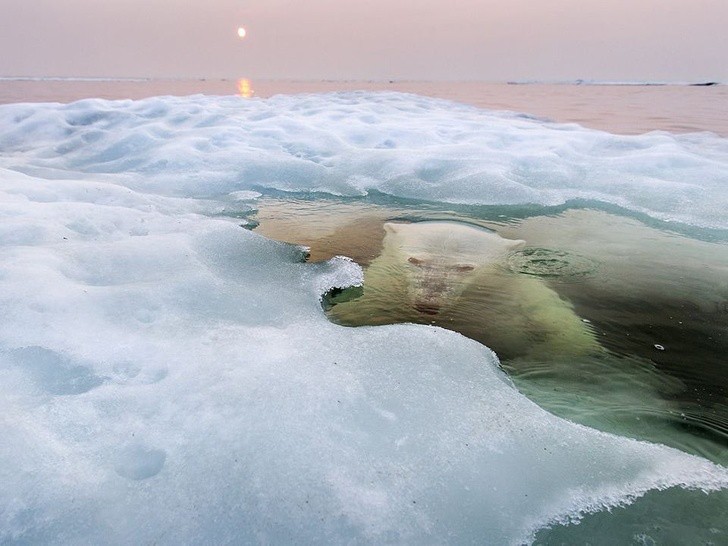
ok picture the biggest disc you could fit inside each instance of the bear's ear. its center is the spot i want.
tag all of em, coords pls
(516, 244)
(391, 228)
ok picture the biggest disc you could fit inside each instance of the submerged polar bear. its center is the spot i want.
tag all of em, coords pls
(442, 259)
(454, 275)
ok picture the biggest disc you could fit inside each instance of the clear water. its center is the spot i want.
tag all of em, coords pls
(652, 300)
(648, 363)
(666, 517)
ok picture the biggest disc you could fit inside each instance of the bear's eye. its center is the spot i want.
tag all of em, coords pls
(414, 261)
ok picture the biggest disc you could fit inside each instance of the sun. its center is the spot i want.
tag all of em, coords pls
(241, 32)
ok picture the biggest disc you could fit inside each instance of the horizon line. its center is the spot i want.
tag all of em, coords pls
(577, 81)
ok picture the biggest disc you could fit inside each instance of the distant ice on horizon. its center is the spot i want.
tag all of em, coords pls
(617, 82)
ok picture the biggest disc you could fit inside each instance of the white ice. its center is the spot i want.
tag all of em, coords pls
(353, 143)
(168, 377)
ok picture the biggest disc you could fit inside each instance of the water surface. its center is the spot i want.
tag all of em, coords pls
(624, 109)
(646, 358)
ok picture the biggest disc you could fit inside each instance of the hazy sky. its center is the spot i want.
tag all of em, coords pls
(494, 40)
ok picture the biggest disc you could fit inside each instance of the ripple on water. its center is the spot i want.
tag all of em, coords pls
(545, 262)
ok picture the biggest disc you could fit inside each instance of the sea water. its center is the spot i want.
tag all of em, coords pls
(623, 109)
(630, 288)
(159, 356)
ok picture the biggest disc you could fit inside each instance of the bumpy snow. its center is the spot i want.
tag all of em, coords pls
(352, 143)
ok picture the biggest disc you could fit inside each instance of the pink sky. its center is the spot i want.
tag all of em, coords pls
(492, 40)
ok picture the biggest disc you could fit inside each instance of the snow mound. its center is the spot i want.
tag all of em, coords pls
(353, 143)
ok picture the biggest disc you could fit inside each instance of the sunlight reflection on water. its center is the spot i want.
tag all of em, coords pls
(245, 88)
(618, 109)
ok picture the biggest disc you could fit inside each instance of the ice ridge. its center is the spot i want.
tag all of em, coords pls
(352, 143)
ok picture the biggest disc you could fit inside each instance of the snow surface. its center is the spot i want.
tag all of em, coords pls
(352, 143)
(168, 377)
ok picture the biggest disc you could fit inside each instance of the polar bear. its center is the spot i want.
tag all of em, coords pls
(454, 275)
(442, 259)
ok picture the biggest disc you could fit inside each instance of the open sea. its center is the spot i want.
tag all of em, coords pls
(602, 312)
(623, 109)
